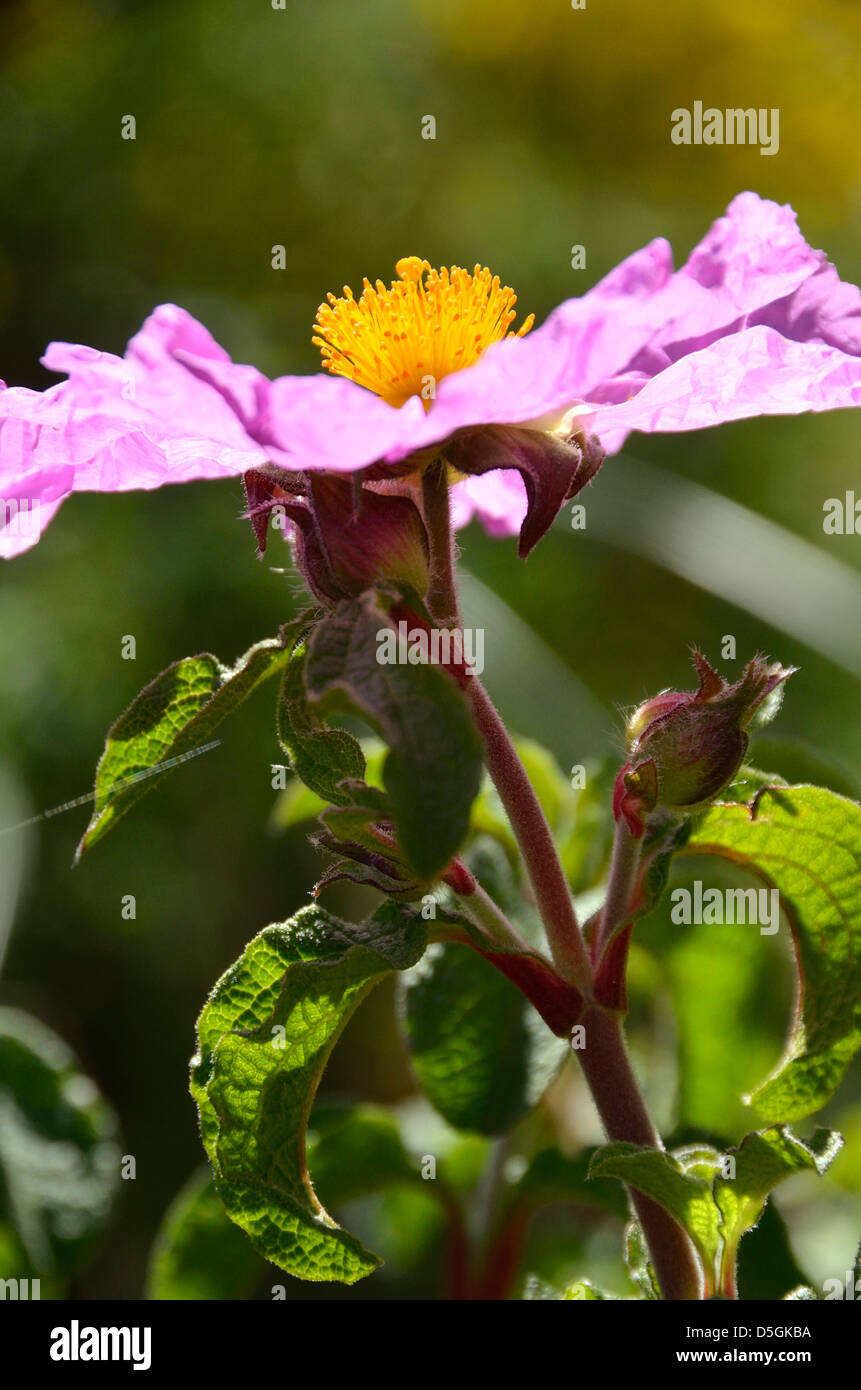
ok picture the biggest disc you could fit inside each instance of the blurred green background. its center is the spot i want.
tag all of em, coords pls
(302, 127)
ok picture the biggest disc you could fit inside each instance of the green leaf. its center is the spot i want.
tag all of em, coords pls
(685, 1195)
(806, 842)
(264, 1037)
(433, 770)
(199, 1253)
(762, 1160)
(173, 715)
(480, 1052)
(715, 1209)
(297, 803)
(638, 1262)
(59, 1164)
(321, 757)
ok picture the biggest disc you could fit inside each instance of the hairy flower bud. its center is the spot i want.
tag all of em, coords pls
(686, 746)
(346, 538)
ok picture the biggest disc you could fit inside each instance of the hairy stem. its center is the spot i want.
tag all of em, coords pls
(442, 594)
(623, 873)
(617, 1097)
(604, 1059)
(536, 844)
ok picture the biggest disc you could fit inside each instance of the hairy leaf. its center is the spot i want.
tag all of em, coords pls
(715, 1196)
(762, 1160)
(480, 1052)
(174, 714)
(685, 1195)
(263, 1039)
(433, 770)
(638, 1262)
(321, 757)
(806, 842)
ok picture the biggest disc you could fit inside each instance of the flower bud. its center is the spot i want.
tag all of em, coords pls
(348, 538)
(686, 746)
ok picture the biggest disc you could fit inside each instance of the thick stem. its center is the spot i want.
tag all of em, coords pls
(620, 887)
(612, 929)
(604, 1059)
(536, 843)
(614, 1088)
(442, 594)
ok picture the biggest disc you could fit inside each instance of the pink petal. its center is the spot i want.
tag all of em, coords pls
(755, 372)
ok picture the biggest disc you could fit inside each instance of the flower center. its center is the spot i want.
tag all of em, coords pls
(400, 342)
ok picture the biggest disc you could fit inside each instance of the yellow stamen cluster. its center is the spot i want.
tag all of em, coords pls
(401, 341)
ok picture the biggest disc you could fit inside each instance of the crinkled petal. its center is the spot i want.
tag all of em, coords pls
(27, 503)
(314, 422)
(755, 372)
(756, 322)
(634, 323)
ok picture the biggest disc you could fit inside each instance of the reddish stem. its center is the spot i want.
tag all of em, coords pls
(536, 844)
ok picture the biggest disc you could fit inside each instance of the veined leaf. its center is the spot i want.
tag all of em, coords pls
(482, 1055)
(433, 769)
(659, 1175)
(807, 843)
(321, 757)
(171, 716)
(297, 803)
(694, 1186)
(263, 1039)
(762, 1160)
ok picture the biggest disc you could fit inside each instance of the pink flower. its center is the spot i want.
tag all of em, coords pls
(755, 323)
